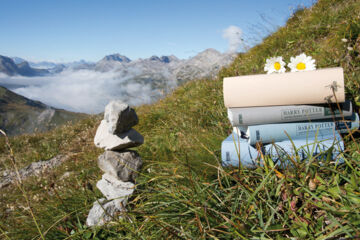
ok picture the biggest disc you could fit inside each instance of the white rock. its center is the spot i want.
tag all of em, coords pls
(97, 216)
(120, 117)
(112, 188)
(108, 141)
(66, 175)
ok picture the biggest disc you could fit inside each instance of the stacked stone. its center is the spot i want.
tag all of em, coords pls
(120, 165)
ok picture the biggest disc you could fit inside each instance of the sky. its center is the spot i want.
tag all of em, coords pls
(70, 30)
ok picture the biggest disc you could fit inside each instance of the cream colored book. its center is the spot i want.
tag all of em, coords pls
(277, 89)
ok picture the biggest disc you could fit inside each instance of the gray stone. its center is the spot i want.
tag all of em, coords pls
(120, 117)
(113, 211)
(122, 165)
(112, 188)
(108, 141)
(34, 169)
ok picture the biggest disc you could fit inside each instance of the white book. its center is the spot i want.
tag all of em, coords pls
(289, 113)
(268, 133)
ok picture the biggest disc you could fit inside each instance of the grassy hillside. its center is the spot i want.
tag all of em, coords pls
(182, 191)
(20, 115)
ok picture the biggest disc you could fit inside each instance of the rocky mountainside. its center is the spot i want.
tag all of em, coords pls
(165, 72)
(205, 64)
(21, 115)
(116, 57)
(10, 68)
(48, 64)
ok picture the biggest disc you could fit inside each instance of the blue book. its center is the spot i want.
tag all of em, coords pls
(320, 147)
(235, 149)
(268, 133)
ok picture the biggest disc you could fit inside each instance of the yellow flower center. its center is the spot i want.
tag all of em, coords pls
(301, 66)
(277, 66)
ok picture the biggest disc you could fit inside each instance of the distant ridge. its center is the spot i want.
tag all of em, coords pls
(9, 67)
(205, 64)
(20, 115)
(117, 57)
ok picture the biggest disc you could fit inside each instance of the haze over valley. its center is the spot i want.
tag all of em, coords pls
(88, 86)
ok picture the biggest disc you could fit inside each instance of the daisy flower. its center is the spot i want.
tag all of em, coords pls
(275, 64)
(301, 63)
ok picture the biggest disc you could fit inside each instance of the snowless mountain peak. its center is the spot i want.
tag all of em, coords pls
(116, 57)
(168, 59)
(163, 59)
(209, 53)
(8, 66)
(18, 60)
(155, 58)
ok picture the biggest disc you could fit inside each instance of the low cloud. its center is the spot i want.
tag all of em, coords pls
(83, 90)
(234, 35)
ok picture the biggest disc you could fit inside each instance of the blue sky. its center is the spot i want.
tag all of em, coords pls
(70, 30)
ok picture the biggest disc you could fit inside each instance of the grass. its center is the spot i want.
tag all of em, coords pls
(182, 191)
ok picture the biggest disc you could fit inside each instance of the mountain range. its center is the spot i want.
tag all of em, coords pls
(205, 64)
(151, 78)
(165, 72)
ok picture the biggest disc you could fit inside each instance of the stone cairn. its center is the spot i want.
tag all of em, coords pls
(119, 164)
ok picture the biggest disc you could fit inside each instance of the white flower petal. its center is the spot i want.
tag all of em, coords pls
(270, 65)
(302, 58)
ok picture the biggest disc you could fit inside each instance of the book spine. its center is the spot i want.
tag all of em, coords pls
(290, 113)
(350, 124)
(268, 133)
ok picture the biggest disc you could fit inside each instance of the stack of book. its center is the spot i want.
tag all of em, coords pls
(282, 115)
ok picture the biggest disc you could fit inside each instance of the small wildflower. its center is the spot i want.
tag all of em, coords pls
(301, 63)
(275, 64)
(344, 40)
